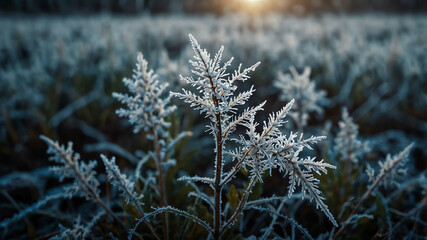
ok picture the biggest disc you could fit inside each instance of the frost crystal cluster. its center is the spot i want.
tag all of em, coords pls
(307, 98)
(83, 174)
(390, 168)
(127, 187)
(146, 107)
(347, 146)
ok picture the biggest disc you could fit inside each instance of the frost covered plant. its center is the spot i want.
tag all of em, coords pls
(126, 187)
(390, 169)
(83, 174)
(300, 88)
(147, 108)
(85, 183)
(169, 69)
(259, 152)
(79, 231)
(347, 146)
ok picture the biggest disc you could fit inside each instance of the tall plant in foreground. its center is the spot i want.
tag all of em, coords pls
(259, 152)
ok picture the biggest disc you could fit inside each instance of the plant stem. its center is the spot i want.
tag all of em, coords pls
(137, 206)
(92, 192)
(241, 205)
(108, 210)
(162, 185)
(218, 167)
(218, 174)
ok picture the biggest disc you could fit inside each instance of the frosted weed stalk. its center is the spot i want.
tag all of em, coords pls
(390, 168)
(258, 153)
(147, 110)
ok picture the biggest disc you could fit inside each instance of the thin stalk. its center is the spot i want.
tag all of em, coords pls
(136, 204)
(240, 206)
(348, 162)
(236, 168)
(273, 221)
(108, 210)
(162, 185)
(141, 212)
(218, 171)
(218, 174)
(92, 192)
(218, 167)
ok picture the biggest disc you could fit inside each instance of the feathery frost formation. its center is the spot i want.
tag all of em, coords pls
(146, 107)
(85, 184)
(126, 187)
(79, 230)
(347, 146)
(307, 98)
(83, 174)
(260, 152)
(147, 110)
(390, 168)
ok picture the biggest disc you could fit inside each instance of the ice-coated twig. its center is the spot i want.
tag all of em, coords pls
(120, 180)
(347, 144)
(79, 231)
(126, 186)
(291, 221)
(85, 182)
(216, 98)
(390, 168)
(147, 109)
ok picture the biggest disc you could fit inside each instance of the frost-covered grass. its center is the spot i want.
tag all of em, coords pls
(362, 61)
(346, 94)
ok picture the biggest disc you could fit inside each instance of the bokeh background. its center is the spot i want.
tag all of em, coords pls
(209, 6)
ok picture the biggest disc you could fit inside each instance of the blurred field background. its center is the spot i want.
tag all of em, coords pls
(61, 60)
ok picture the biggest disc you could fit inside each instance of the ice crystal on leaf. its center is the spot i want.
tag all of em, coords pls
(215, 85)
